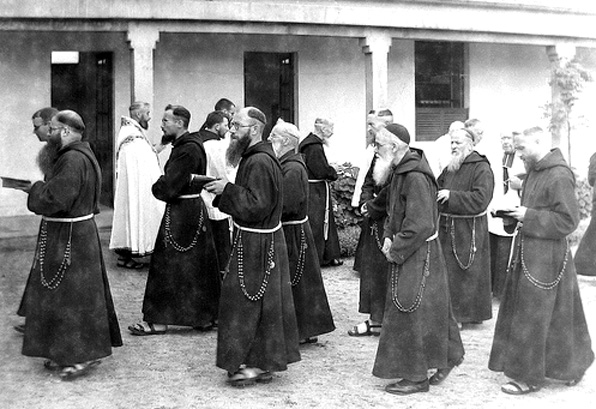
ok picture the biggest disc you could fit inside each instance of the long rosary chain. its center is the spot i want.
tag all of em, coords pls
(301, 258)
(375, 232)
(472, 246)
(270, 264)
(170, 239)
(395, 280)
(43, 239)
(537, 283)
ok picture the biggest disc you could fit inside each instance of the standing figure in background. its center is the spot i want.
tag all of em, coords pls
(46, 157)
(310, 299)
(370, 262)
(320, 206)
(419, 331)
(137, 213)
(585, 257)
(541, 330)
(71, 319)
(257, 331)
(466, 189)
(441, 149)
(507, 194)
(183, 283)
(213, 137)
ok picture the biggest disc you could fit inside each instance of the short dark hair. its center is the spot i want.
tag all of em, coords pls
(46, 114)
(71, 119)
(214, 118)
(224, 103)
(180, 113)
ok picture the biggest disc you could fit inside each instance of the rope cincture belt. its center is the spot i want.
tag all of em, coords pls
(327, 204)
(190, 196)
(67, 219)
(303, 246)
(472, 253)
(425, 273)
(54, 283)
(293, 222)
(239, 248)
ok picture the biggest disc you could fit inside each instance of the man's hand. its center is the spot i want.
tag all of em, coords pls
(387, 249)
(442, 196)
(518, 213)
(217, 186)
(515, 183)
(364, 210)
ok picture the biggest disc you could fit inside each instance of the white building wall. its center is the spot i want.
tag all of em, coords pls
(25, 80)
(197, 70)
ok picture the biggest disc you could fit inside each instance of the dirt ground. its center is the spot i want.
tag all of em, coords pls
(177, 370)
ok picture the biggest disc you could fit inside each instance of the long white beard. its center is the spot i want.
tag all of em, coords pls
(457, 158)
(381, 170)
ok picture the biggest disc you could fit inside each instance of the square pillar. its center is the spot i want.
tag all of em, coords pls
(376, 49)
(142, 39)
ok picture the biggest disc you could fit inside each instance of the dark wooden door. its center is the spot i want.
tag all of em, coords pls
(269, 85)
(88, 89)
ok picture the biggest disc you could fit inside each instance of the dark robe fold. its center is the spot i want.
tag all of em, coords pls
(320, 206)
(541, 329)
(468, 256)
(256, 329)
(585, 256)
(372, 264)
(419, 331)
(183, 284)
(310, 299)
(69, 308)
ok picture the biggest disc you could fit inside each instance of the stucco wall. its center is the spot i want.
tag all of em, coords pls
(25, 74)
(197, 70)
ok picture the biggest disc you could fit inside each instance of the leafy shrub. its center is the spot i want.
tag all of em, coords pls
(348, 240)
(583, 192)
(342, 192)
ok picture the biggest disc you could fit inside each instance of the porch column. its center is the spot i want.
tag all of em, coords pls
(142, 39)
(376, 48)
(559, 55)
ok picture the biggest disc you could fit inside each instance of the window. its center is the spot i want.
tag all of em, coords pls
(440, 93)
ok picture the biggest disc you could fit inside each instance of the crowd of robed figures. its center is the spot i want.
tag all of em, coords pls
(424, 254)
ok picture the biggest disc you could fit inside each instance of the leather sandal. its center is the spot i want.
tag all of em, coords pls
(145, 328)
(519, 388)
(407, 387)
(249, 376)
(77, 370)
(365, 329)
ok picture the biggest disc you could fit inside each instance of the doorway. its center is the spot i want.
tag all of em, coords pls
(269, 84)
(85, 84)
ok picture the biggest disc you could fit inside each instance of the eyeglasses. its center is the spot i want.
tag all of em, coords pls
(51, 129)
(236, 125)
(379, 145)
(36, 127)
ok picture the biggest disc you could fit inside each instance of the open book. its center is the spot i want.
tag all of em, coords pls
(14, 183)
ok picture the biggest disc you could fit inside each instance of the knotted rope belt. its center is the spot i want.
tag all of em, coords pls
(473, 249)
(239, 249)
(425, 273)
(303, 246)
(169, 238)
(327, 206)
(66, 259)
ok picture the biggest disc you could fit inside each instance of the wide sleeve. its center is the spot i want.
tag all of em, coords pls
(477, 198)
(58, 194)
(560, 216)
(253, 202)
(317, 164)
(418, 223)
(177, 175)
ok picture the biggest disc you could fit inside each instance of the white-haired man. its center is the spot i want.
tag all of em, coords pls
(419, 331)
(466, 189)
(310, 299)
(320, 207)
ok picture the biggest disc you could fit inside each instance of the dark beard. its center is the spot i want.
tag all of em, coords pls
(165, 139)
(47, 157)
(236, 149)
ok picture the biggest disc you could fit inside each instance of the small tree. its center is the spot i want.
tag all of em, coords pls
(569, 79)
